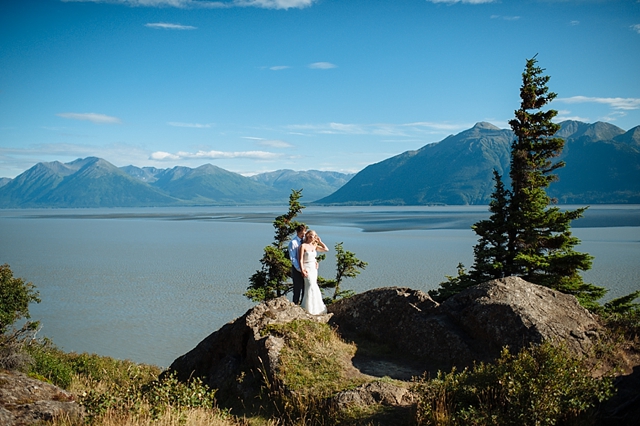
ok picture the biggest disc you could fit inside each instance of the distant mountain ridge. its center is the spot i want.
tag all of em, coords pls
(603, 166)
(94, 182)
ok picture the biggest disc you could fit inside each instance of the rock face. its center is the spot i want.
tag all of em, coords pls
(26, 401)
(471, 326)
(218, 359)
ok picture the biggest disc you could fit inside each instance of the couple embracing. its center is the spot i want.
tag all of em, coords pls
(303, 249)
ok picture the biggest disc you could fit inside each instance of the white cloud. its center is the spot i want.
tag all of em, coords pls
(574, 23)
(162, 156)
(322, 65)
(205, 4)
(214, 155)
(461, 1)
(279, 67)
(505, 18)
(636, 28)
(191, 125)
(167, 26)
(615, 103)
(90, 116)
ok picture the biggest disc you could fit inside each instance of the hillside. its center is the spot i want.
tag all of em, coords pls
(603, 166)
(316, 184)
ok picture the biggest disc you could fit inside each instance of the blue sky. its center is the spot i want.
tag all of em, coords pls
(261, 85)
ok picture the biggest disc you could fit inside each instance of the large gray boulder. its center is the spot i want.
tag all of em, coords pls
(473, 325)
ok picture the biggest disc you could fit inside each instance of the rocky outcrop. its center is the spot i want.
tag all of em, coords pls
(473, 325)
(241, 344)
(26, 401)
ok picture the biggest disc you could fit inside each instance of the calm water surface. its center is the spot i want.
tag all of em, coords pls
(149, 284)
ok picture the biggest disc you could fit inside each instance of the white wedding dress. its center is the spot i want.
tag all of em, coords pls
(312, 300)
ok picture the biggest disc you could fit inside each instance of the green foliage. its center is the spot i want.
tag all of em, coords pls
(453, 285)
(541, 385)
(622, 317)
(270, 281)
(51, 363)
(491, 252)
(157, 396)
(15, 296)
(347, 266)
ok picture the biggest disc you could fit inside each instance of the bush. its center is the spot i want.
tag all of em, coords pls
(15, 296)
(50, 363)
(541, 385)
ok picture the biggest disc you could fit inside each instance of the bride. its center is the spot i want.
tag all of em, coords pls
(312, 300)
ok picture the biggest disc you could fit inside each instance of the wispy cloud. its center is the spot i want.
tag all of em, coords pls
(272, 143)
(191, 125)
(615, 103)
(636, 28)
(213, 155)
(574, 23)
(275, 4)
(167, 26)
(90, 116)
(279, 67)
(461, 1)
(380, 129)
(322, 65)
(205, 4)
(505, 18)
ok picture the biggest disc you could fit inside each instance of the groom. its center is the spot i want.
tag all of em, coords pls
(296, 273)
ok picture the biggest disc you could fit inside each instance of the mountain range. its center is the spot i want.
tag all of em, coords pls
(94, 182)
(602, 166)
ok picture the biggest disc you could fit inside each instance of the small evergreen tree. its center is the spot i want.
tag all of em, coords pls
(491, 252)
(271, 280)
(347, 266)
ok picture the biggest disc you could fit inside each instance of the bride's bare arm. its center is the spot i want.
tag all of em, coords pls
(320, 246)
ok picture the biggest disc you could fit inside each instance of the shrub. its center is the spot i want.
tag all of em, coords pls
(50, 362)
(15, 296)
(541, 385)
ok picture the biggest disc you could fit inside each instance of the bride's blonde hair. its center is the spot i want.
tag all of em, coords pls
(310, 234)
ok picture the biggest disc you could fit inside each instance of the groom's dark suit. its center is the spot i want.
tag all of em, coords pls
(296, 275)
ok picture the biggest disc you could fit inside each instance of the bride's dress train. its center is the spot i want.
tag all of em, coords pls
(312, 300)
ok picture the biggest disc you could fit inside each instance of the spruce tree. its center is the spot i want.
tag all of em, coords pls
(271, 280)
(540, 247)
(525, 236)
(491, 253)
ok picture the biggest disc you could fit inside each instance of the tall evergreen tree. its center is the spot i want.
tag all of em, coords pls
(271, 280)
(524, 236)
(540, 247)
